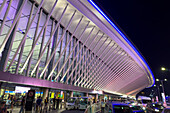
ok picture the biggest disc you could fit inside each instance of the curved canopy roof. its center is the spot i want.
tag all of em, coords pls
(117, 66)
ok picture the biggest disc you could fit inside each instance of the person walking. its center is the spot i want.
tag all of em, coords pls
(38, 104)
(22, 105)
(3, 108)
(8, 103)
(12, 102)
(46, 104)
(54, 100)
(58, 102)
(102, 106)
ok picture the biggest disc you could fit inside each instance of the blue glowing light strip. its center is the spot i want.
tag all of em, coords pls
(104, 15)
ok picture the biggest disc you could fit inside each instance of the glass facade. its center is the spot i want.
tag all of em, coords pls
(54, 41)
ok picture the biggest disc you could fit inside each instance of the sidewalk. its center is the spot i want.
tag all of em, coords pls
(17, 109)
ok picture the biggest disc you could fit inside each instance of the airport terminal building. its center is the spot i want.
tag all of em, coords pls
(68, 45)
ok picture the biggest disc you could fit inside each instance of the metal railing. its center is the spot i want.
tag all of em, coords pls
(94, 108)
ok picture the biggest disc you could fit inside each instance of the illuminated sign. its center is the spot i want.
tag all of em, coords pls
(60, 95)
(19, 89)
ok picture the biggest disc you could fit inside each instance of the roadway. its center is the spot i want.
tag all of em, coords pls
(73, 111)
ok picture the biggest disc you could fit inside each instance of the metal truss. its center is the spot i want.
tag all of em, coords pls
(58, 43)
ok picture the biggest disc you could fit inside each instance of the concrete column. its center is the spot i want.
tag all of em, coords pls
(87, 94)
(110, 97)
(45, 93)
(0, 87)
(96, 98)
(71, 94)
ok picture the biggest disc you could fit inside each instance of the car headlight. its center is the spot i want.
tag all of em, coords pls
(157, 110)
(143, 108)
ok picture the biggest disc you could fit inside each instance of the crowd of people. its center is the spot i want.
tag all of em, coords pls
(8, 104)
(39, 105)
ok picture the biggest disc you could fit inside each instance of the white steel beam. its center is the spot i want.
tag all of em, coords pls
(48, 50)
(92, 75)
(10, 41)
(104, 74)
(88, 56)
(103, 69)
(53, 51)
(60, 55)
(73, 53)
(70, 38)
(81, 58)
(72, 49)
(42, 29)
(132, 71)
(12, 26)
(33, 43)
(67, 35)
(24, 38)
(77, 53)
(112, 73)
(128, 69)
(92, 60)
(5, 16)
(101, 60)
(2, 6)
(22, 48)
(42, 44)
(69, 54)
(49, 41)
(81, 62)
(52, 54)
(75, 67)
(95, 69)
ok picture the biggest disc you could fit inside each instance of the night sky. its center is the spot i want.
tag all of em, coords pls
(147, 24)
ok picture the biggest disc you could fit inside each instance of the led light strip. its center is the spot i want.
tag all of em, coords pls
(104, 15)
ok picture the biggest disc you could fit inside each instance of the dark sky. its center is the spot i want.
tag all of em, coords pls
(147, 24)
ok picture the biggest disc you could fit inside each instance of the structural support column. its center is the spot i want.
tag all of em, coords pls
(22, 48)
(96, 98)
(0, 86)
(8, 46)
(45, 93)
(71, 94)
(87, 94)
(54, 42)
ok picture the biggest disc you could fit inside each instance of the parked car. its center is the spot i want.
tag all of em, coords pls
(84, 102)
(154, 108)
(166, 110)
(72, 103)
(117, 107)
(144, 100)
(137, 109)
(168, 105)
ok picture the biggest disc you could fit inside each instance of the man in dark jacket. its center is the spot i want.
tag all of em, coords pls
(3, 108)
(22, 105)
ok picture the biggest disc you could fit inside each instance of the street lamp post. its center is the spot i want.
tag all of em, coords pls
(163, 69)
(162, 86)
(159, 94)
(163, 90)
